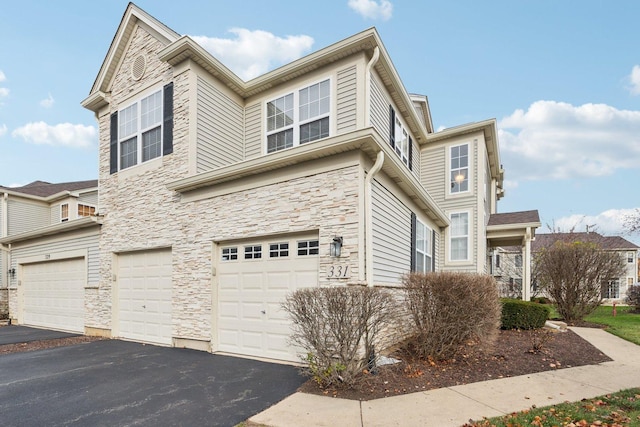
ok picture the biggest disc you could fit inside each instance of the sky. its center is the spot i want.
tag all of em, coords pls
(562, 78)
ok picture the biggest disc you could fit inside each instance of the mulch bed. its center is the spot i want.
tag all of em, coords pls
(512, 355)
(43, 344)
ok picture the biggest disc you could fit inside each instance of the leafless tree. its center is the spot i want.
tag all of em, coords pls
(572, 274)
(631, 222)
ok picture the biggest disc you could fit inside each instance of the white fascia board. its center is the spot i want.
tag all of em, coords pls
(62, 227)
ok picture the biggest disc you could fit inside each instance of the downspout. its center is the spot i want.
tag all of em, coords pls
(367, 89)
(368, 217)
(368, 227)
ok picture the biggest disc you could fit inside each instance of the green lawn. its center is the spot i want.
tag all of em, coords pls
(626, 325)
(616, 409)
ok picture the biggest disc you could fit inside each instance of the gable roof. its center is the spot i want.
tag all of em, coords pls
(180, 48)
(606, 242)
(132, 15)
(46, 189)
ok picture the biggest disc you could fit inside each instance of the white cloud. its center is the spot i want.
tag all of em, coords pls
(4, 92)
(372, 9)
(634, 78)
(2, 76)
(3, 130)
(47, 102)
(252, 53)
(63, 134)
(558, 140)
(608, 223)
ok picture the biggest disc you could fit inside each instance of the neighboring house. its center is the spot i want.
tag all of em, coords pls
(219, 196)
(47, 222)
(507, 269)
(616, 288)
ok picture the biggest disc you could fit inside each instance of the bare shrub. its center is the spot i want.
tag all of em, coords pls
(448, 310)
(539, 339)
(340, 329)
(572, 273)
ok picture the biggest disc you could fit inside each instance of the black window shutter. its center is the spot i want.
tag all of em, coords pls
(410, 154)
(113, 144)
(392, 126)
(167, 132)
(413, 241)
(433, 250)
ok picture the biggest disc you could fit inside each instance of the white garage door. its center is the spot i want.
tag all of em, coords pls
(254, 279)
(54, 294)
(144, 296)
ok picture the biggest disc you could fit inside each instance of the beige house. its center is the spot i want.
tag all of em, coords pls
(48, 252)
(217, 196)
(616, 288)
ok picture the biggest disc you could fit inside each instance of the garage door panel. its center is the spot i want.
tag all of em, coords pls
(54, 294)
(144, 296)
(257, 288)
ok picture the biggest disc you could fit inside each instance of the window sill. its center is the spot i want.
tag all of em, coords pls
(140, 169)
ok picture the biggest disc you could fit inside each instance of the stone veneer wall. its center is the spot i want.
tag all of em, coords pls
(141, 213)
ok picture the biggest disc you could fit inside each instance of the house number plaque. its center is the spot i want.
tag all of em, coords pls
(338, 271)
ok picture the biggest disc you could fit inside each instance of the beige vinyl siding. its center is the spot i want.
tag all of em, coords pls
(436, 250)
(253, 134)
(415, 160)
(88, 241)
(391, 238)
(379, 111)
(25, 216)
(219, 132)
(89, 198)
(346, 100)
(55, 214)
(433, 173)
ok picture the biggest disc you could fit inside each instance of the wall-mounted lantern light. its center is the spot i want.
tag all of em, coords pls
(336, 247)
(12, 273)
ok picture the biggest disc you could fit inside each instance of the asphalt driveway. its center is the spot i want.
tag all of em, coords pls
(118, 383)
(18, 334)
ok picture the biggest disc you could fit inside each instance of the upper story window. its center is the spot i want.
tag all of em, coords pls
(459, 237)
(518, 261)
(630, 257)
(459, 168)
(299, 117)
(85, 210)
(142, 131)
(399, 138)
(64, 212)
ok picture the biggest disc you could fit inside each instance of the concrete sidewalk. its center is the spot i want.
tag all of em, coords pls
(454, 406)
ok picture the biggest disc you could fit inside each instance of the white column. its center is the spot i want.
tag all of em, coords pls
(526, 266)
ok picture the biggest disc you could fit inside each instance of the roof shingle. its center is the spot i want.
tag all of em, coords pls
(46, 189)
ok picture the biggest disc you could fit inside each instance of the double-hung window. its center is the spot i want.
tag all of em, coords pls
(459, 168)
(399, 138)
(140, 131)
(299, 117)
(64, 212)
(424, 248)
(630, 257)
(143, 130)
(459, 237)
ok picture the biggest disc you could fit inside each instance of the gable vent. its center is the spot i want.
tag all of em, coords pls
(138, 67)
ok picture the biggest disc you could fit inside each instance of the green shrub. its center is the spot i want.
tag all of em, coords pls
(517, 314)
(448, 311)
(541, 300)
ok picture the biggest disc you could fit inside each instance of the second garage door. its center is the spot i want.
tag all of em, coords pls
(54, 294)
(144, 296)
(254, 279)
